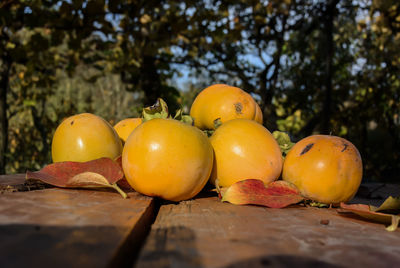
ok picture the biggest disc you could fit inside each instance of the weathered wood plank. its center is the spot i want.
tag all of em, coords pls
(207, 233)
(17, 183)
(72, 228)
(14, 179)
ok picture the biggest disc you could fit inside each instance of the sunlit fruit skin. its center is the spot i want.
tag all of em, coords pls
(327, 169)
(244, 149)
(126, 126)
(85, 137)
(222, 102)
(168, 159)
(259, 115)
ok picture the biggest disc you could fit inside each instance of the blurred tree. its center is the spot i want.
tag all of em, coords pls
(241, 43)
(37, 39)
(314, 66)
(378, 88)
(317, 66)
(149, 37)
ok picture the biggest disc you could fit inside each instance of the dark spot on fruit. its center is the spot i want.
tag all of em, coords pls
(307, 148)
(238, 107)
(72, 122)
(345, 147)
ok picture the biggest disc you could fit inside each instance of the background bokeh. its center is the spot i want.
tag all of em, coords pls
(329, 67)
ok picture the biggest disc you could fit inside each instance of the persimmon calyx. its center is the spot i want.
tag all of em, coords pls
(284, 141)
(187, 119)
(157, 110)
(160, 110)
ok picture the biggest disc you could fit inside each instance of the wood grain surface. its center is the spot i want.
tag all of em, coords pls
(83, 228)
(72, 228)
(207, 233)
(14, 179)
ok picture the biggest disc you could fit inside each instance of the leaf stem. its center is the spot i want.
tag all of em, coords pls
(116, 187)
(395, 223)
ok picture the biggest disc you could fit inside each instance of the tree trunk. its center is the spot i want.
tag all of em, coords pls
(327, 102)
(270, 91)
(150, 81)
(3, 113)
(37, 121)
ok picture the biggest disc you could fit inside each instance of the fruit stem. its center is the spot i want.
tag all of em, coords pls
(208, 132)
(116, 187)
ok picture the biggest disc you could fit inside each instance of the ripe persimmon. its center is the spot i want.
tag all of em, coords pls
(168, 159)
(224, 103)
(243, 150)
(125, 127)
(84, 137)
(259, 115)
(327, 169)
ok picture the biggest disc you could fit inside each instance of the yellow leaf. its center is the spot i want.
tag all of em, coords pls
(145, 19)
(10, 45)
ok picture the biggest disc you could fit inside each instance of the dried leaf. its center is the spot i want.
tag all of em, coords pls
(391, 204)
(364, 211)
(102, 172)
(370, 213)
(123, 183)
(278, 194)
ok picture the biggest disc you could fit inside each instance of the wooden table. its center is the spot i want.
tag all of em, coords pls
(86, 228)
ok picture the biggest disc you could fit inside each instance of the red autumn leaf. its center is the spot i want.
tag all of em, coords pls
(278, 194)
(123, 183)
(102, 172)
(371, 212)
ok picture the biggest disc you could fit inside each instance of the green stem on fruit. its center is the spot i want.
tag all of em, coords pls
(187, 119)
(284, 142)
(217, 123)
(116, 187)
(208, 132)
(158, 110)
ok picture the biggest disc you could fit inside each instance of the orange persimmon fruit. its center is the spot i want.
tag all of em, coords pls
(223, 102)
(84, 137)
(168, 159)
(243, 150)
(125, 127)
(326, 169)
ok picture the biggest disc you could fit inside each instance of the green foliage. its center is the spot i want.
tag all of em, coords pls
(107, 97)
